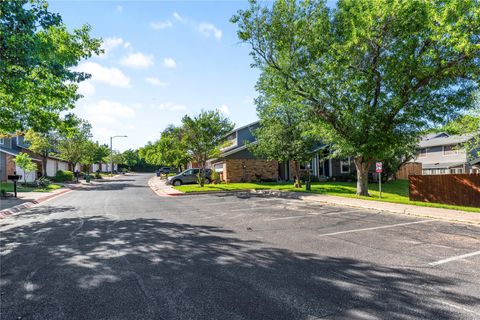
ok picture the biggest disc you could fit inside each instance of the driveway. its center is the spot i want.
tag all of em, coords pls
(119, 251)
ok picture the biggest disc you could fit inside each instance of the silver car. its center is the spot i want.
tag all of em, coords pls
(189, 176)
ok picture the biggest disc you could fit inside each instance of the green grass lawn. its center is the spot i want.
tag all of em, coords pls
(394, 191)
(8, 187)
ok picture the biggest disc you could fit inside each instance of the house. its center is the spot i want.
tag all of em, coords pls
(441, 153)
(10, 147)
(238, 164)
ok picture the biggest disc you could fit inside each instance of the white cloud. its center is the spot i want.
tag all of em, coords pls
(208, 29)
(86, 88)
(156, 82)
(224, 109)
(111, 76)
(160, 25)
(169, 63)
(170, 106)
(111, 43)
(119, 9)
(178, 17)
(109, 111)
(137, 60)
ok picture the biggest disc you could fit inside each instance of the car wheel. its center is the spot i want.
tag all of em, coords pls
(177, 183)
(207, 181)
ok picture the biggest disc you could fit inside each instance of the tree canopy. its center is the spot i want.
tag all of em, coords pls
(36, 56)
(374, 74)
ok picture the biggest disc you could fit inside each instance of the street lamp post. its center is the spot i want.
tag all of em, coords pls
(111, 152)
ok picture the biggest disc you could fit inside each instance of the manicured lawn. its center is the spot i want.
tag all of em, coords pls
(395, 191)
(8, 187)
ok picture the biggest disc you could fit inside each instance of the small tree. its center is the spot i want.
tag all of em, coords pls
(283, 134)
(172, 149)
(24, 162)
(130, 158)
(42, 144)
(203, 136)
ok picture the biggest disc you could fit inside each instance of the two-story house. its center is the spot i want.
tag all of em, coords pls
(237, 163)
(441, 153)
(10, 147)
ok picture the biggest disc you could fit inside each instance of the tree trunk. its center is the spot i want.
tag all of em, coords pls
(298, 183)
(202, 174)
(362, 176)
(44, 166)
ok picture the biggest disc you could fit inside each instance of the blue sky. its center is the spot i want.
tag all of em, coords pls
(163, 60)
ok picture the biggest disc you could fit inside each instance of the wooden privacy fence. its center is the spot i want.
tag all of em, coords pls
(407, 169)
(455, 189)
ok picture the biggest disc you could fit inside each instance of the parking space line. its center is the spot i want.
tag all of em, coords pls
(376, 228)
(454, 258)
(251, 209)
(286, 218)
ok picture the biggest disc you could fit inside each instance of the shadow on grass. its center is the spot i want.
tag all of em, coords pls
(97, 268)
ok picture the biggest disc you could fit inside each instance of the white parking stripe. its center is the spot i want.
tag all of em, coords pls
(376, 228)
(471, 254)
(286, 218)
(252, 209)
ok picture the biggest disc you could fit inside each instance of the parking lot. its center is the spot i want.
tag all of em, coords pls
(119, 251)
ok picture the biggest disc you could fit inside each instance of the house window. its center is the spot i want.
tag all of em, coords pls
(2, 141)
(345, 166)
(422, 153)
(456, 171)
(449, 150)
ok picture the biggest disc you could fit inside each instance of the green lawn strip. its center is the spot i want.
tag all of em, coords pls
(8, 187)
(394, 191)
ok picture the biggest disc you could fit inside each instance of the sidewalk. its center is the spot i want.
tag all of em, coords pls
(25, 200)
(161, 189)
(436, 213)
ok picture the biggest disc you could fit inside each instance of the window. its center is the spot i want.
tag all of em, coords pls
(449, 150)
(456, 171)
(345, 165)
(2, 141)
(422, 153)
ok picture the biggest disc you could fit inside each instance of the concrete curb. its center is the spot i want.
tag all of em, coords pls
(160, 193)
(18, 208)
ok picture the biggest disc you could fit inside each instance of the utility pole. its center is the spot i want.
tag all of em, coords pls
(111, 151)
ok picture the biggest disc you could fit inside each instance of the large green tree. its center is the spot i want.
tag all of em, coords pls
(37, 53)
(374, 74)
(284, 134)
(203, 135)
(74, 140)
(172, 148)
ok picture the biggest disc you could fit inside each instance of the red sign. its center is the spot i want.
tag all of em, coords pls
(378, 167)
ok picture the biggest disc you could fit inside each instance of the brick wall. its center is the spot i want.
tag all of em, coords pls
(10, 164)
(238, 170)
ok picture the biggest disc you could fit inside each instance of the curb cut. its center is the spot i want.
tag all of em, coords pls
(18, 208)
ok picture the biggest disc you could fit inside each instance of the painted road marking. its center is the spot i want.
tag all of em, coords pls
(376, 228)
(471, 254)
(286, 218)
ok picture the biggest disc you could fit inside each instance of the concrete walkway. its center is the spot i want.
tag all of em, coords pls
(160, 188)
(437, 213)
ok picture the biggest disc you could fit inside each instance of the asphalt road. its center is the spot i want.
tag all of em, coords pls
(119, 251)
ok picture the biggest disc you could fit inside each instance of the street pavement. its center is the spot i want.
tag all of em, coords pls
(119, 251)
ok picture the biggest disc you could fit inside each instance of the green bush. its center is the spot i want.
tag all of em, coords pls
(63, 176)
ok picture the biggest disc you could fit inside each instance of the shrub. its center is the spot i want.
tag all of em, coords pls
(63, 175)
(43, 182)
(215, 177)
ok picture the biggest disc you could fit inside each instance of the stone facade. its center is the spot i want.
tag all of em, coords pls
(248, 170)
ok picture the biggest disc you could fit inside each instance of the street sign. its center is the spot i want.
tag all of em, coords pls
(378, 167)
(14, 177)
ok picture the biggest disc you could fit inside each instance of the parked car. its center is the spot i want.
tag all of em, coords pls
(165, 170)
(189, 176)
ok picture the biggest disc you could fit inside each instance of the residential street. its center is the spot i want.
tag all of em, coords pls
(120, 251)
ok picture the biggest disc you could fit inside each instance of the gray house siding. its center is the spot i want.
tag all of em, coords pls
(3, 166)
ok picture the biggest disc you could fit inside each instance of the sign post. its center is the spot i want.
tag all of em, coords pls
(379, 169)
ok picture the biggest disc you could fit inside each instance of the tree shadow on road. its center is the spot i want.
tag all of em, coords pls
(97, 268)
